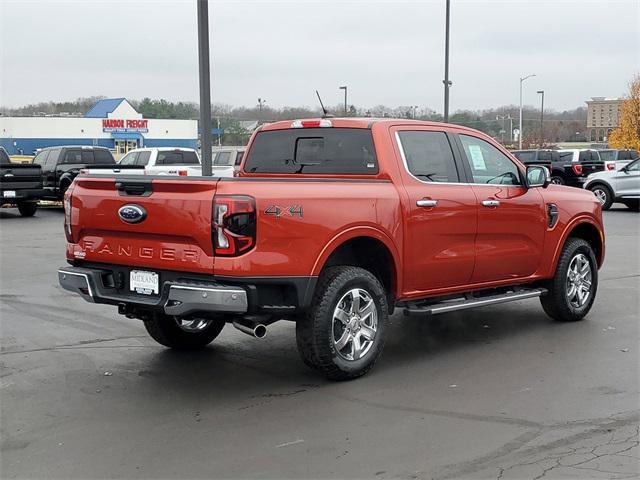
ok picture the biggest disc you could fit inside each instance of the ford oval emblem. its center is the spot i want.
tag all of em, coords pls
(132, 213)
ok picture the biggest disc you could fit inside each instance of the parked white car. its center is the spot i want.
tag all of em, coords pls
(619, 185)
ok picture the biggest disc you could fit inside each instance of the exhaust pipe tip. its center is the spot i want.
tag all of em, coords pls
(257, 330)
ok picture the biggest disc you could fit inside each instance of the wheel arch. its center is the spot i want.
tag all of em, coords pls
(586, 229)
(364, 247)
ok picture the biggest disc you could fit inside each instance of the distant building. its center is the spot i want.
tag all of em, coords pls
(602, 117)
(111, 123)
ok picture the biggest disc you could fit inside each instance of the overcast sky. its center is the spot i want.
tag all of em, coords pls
(386, 52)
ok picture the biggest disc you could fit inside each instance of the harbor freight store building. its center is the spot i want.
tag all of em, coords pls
(111, 123)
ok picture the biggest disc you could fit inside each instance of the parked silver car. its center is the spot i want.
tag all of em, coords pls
(620, 185)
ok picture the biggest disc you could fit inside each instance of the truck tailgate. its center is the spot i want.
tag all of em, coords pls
(173, 234)
(16, 176)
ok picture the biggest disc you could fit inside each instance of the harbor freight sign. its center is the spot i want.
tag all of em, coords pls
(119, 125)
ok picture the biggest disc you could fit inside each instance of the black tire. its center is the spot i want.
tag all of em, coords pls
(557, 179)
(164, 329)
(316, 331)
(27, 209)
(603, 194)
(632, 205)
(557, 302)
(64, 186)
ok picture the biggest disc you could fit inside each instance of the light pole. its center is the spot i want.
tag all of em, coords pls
(541, 92)
(205, 86)
(261, 102)
(415, 111)
(345, 99)
(522, 79)
(446, 81)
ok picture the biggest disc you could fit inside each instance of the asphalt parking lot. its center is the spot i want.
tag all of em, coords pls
(500, 392)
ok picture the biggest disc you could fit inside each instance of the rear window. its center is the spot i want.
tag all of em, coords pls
(87, 156)
(222, 158)
(313, 150)
(177, 158)
(103, 156)
(608, 155)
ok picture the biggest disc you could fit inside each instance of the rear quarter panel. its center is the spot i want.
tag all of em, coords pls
(330, 212)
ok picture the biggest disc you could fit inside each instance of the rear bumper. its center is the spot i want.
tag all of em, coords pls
(176, 298)
(21, 195)
(183, 294)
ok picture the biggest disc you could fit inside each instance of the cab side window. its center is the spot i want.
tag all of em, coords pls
(428, 156)
(488, 164)
(72, 156)
(143, 158)
(41, 157)
(129, 159)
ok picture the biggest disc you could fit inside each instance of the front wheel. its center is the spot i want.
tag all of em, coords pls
(604, 195)
(342, 335)
(183, 334)
(573, 288)
(27, 209)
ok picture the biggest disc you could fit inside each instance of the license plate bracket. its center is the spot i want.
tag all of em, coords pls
(144, 282)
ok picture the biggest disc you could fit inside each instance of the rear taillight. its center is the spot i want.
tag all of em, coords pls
(182, 173)
(577, 169)
(611, 165)
(233, 224)
(68, 205)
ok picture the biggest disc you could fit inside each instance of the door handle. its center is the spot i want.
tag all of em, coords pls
(427, 203)
(490, 203)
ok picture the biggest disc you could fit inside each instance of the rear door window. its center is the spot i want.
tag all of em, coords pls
(143, 158)
(525, 157)
(313, 150)
(72, 156)
(428, 156)
(222, 158)
(177, 158)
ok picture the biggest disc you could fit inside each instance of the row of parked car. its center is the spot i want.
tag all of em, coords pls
(612, 175)
(54, 168)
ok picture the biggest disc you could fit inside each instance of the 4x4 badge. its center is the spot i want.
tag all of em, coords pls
(288, 211)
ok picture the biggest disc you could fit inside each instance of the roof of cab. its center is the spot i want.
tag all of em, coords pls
(360, 122)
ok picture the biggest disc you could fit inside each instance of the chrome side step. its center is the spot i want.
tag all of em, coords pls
(473, 302)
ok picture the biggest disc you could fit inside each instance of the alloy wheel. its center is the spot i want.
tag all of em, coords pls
(600, 194)
(579, 281)
(355, 324)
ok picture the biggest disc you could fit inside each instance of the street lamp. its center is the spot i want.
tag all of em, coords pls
(541, 92)
(522, 79)
(261, 102)
(345, 99)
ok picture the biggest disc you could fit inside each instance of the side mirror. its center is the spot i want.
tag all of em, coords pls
(538, 176)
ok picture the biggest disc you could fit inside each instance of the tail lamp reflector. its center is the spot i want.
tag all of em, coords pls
(611, 166)
(577, 169)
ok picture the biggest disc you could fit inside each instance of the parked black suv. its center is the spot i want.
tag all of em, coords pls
(568, 167)
(20, 184)
(60, 165)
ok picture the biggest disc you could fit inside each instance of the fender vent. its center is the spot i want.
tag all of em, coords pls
(552, 215)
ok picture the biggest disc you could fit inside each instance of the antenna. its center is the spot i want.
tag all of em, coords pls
(324, 110)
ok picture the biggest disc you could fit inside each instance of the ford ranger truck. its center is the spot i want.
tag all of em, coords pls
(334, 224)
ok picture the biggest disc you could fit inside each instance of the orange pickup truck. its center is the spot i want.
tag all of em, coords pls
(333, 224)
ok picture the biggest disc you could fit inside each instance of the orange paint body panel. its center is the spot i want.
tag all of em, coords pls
(458, 245)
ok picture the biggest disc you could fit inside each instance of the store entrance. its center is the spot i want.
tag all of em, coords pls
(123, 146)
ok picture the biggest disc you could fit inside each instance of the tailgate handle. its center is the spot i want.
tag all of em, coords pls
(140, 188)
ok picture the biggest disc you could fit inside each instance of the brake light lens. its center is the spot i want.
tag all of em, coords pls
(233, 224)
(68, 205)
(577, 169)
(311, 123)
(611, 166)
(182, 173)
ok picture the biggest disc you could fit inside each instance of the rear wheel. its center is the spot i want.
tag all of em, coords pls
(27, 209)
(342, 335)
(572, 290)
(557, 180)
(603, 194)
(183, 334)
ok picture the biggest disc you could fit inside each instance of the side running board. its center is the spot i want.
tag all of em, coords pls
(451, 305)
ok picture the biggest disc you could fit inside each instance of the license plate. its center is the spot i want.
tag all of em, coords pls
(143, 282)
(9, 194)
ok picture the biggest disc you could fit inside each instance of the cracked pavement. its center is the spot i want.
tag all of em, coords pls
(496, 393)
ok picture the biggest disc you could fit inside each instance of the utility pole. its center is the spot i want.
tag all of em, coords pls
(345, 99)
(205, 86)
(261, 101)
(446, 81)
(522, 79)
(541, 92)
